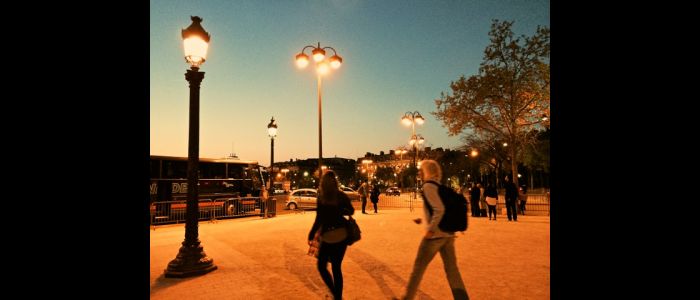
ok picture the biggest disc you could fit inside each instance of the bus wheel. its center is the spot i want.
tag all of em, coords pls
(292, 206)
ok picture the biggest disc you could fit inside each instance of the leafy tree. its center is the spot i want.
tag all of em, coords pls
(508, 97)
(536, 156)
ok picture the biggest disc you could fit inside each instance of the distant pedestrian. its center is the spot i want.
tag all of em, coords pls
(522, 197)
(474, 194)
(363, 190)
(491, 195)
(482, 199)
(511, 199)
(435, 240)
(374, 197)
(330, 225)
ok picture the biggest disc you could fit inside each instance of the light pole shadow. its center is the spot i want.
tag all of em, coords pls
(162, 283)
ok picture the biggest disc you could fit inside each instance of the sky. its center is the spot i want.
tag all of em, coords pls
(398, 56)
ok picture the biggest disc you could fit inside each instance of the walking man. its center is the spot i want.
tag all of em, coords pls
(363, 190)
(511, 199)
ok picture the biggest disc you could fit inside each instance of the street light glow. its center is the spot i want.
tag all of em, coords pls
(318, 54)
(195, 50)
(195, 43)
(302, 60)
(406, 121)
(323, 68)
(336, 61)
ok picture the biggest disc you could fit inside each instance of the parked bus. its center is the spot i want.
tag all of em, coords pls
(227, 187)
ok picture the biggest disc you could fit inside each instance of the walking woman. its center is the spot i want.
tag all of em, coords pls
(330, 224)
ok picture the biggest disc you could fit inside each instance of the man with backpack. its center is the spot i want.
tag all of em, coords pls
(435, 239)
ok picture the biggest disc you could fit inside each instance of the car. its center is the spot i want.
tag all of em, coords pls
(352, 194)
(393, 191)
(301, 198)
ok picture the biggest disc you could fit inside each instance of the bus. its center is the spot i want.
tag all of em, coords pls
(227, 187)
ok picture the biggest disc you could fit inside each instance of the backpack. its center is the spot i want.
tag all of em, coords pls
(455, 217)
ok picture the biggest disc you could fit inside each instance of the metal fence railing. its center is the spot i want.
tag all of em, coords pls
(536, 204)
(166, 212)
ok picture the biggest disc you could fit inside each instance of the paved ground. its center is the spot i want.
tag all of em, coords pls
(266, 259)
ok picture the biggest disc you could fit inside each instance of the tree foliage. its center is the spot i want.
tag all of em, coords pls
(506, 100)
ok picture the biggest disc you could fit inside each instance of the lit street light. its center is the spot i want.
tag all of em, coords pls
(323, 66)
(191, 259)
(411, 118)
(272, 132)
(367, 162)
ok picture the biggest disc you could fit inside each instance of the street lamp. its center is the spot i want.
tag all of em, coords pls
(323, 66)
(272, 132)
(191, 259)
(413, 118)
(367, 162)
(401, 152)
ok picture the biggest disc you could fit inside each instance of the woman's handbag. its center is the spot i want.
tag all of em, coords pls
(354, 233)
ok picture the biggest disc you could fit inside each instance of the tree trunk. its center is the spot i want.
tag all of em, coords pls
(514, 166)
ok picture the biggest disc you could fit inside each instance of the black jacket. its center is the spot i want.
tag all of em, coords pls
(331, 216)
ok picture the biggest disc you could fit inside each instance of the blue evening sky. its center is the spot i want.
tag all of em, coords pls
(397, 57)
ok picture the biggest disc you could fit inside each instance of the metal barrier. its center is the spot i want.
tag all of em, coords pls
(537, 204)
(385, 201)
(166, 212)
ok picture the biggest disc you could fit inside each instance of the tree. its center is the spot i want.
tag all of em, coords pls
(508, 97)
(536, 156)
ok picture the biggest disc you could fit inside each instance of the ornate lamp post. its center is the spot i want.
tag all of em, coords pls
(191, 260)
(272, 132)
(323, 66)
(411, 118)
(367, 162)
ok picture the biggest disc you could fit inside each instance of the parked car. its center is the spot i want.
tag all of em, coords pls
(393, 191)
(301, 198)
(352, 194)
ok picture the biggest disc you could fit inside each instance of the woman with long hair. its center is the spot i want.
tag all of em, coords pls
(330, 226)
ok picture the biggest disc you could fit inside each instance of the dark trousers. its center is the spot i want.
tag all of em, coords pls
(492, 209)
(475, 208)
(511, 209)
(364, 203)
(375, 206)
(333, 253)
(522, 207)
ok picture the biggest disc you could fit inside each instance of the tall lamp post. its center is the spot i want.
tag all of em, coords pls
(191, 259)
(413, 118)
(367, 162)
(272, 132)
(323, 66)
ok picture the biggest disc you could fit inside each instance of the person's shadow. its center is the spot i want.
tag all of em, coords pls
(380, 272)
(307, 274)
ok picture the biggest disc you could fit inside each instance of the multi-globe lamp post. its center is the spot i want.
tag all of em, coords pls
(191, 259)
(367, 163)
(411, 119)
(323, 67)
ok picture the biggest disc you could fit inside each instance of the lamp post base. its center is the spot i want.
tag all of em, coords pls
(190, 261)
